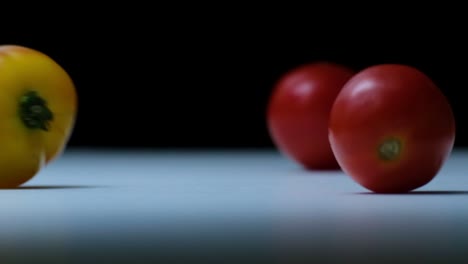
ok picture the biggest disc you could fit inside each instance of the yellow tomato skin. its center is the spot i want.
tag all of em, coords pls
(24, 150)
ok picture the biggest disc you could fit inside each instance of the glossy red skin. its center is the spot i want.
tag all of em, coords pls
(299, 110)
(391, 101)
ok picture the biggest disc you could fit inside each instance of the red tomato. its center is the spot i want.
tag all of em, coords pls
(391, 128)
(299, 109)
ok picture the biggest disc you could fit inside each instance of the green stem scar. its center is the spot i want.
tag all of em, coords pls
(34, 112)
(390, 149)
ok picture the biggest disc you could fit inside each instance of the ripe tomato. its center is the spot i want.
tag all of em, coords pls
(38, 106)
(391, 128)
(299, 109)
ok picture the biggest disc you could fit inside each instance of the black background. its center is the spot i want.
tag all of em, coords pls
(158, 78)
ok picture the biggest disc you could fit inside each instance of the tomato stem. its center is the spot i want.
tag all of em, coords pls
(34, 112)
(390, 149)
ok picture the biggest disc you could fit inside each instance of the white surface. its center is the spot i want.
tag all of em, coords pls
(245, 204)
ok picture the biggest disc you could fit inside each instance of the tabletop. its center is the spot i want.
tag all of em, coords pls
(226, 206)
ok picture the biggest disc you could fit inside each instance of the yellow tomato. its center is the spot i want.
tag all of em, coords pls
(38, 106)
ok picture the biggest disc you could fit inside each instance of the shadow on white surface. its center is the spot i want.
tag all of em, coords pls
(51, 187)
(441, 192)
